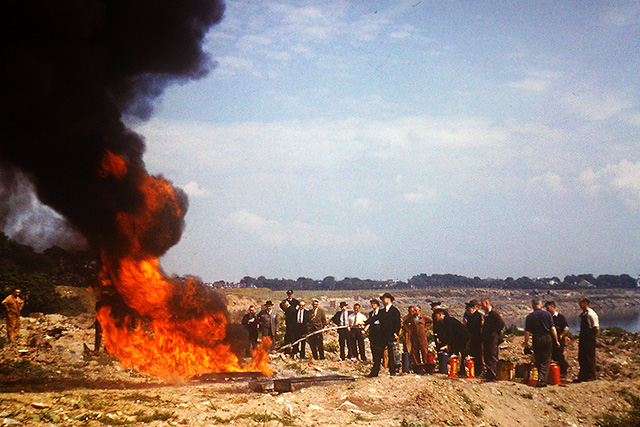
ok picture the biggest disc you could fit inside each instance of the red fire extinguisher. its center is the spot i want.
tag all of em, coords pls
(469, 367)
(453, 367)
(554, 374)
(431, 358)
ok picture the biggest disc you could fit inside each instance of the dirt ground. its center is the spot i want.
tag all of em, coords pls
(47, 380)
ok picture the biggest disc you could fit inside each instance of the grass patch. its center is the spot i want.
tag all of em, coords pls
(476, 409)
(560, 408)
(527, 396)
(156, 416)
(258, 418)
(138, 397)
(407, 423)
(628, 418)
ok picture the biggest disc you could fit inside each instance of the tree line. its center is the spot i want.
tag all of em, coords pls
(449, 281)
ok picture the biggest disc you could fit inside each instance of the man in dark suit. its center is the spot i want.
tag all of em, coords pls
(290, 331)
(300, 329)
(373, 326)
(390, 324)
(562, 328)
(341, 319)
(269, 323)
(491, 337)
(473, 322)
(317, 322)
(250, 322)
(454, 337)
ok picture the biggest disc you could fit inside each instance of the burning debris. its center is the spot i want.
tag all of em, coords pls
(72, 71)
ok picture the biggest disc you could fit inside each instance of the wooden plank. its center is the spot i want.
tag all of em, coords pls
(283, 385)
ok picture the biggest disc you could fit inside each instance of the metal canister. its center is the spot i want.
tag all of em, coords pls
(469, 367)
(453, 366)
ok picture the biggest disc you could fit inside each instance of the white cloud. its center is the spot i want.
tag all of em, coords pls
(621, 178)
(193, 190)
(550, 179)
(597, 106)
(296, 233)
(530, 84)
(229, 66)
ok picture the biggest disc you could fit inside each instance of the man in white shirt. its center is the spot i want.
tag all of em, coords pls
(341, 319)
(589, 326)
(356, 324)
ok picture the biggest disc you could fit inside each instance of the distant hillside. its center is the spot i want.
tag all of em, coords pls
(37, 275)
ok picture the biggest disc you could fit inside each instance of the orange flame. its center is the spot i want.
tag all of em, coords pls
(175, 329)
(112, 165)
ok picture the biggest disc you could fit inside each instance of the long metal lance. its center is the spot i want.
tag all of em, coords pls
(330, 328)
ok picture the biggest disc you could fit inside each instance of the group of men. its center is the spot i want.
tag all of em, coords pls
(478, 335)
(547, 330)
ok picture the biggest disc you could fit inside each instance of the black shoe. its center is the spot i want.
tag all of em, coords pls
(372, 375)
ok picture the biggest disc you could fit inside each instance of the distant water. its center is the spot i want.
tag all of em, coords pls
(629, 322)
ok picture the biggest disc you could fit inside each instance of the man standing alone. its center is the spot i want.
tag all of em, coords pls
(13, 304)
(589, 325)
(491, 337)
(539, 324)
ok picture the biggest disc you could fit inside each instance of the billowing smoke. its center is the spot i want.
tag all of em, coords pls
(71, 70)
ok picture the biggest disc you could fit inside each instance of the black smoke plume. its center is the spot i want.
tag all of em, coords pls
(71, 70)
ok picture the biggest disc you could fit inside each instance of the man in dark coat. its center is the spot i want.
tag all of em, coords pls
(589, 326)
(317, 322)
(290, 299)
(454, 337)
(562, 328)
(300, 322)
(539, 325)
(341, 319)
(269, 323)
(250, 322)
(290, 330)
(473, 322)
(390, 324)
(437, 332)
(491, 337)
(373, 326)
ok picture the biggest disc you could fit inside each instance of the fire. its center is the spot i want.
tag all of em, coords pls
(169, 328)
(112, 165)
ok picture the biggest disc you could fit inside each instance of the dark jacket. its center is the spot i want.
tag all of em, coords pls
(390, 323)
(455, 335)
(374, 325)
(474, 326)
(336, 319)
(250, 322)
(317, 322)
(493, 324)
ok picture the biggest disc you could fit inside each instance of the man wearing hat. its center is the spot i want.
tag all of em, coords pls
(269, 322)
(373, 326)
(454, 336)
(341, 319)
(473, 322)
(437, 327)
(291, 300)
(390, 324)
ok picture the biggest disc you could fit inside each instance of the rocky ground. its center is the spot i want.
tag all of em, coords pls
(48, 380)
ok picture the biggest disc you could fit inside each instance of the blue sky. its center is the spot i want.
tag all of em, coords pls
(383, 139)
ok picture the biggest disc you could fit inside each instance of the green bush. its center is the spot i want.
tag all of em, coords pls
(630, 418)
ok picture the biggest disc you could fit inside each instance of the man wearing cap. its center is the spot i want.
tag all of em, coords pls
(269, 322)
(454, 335)
(317, 322)
(437, 327)
(290, 299)
(290, 327)
(341, 319)
(539, 325)
(473, 322)
(491, 337)
(390, 324)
